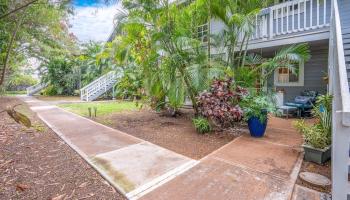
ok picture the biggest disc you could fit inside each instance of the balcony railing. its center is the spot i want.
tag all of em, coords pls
(293, 17)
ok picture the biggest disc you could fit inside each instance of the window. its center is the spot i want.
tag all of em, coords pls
(202, 33)
(284, 76)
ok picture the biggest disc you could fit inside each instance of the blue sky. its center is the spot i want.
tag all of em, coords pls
(92, 20)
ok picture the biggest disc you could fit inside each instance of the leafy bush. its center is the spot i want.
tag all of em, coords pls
(201, 124)
(245, 77)
(314, 135)
(220, 104)
(50, 91)
(318, 135)
(18, 82)
(257, 106)
(60, 75)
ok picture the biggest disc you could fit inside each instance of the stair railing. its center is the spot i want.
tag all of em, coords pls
(339, 88)
(97, 85)
(35, 88)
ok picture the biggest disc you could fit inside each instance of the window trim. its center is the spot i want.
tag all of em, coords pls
(300, 83)
(204, 32)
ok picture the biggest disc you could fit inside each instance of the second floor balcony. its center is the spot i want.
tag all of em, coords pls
(304, 19)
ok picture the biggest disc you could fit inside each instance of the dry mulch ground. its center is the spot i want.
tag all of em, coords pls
(324, 170)
(174, 133)
(36, 164)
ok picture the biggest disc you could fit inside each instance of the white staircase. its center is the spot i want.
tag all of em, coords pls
(98, 87)
(36, 88)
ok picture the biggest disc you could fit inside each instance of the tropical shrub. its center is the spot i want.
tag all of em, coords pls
(50, 91)
(258, 105)
(245, 77)
(318, 135)
(220, 103)
(61, 76)
(313, 134)
(202, 125)
(19, 82)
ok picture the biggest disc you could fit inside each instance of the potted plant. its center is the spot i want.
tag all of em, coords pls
(317, 136)
(256, 109)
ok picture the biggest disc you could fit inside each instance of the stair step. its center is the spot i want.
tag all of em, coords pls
(347, 52)
(346, 35)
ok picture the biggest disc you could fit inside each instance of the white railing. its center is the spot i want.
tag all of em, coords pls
(100, 84)
(35, 88)
(339, 88)
(291, 17)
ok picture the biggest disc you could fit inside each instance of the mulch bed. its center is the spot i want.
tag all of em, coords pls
(36, 164)
(174, 133)
(324, 170)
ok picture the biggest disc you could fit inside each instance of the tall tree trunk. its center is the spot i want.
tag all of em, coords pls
(245, 52)
(241, 50)
(9, 49)
(208, 24)
(190, 90)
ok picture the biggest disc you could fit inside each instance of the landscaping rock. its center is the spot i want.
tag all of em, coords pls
(315, 179)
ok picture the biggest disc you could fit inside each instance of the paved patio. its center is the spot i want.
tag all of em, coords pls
(245, 169)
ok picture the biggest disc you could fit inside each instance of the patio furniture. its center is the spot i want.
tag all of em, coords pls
(283, 109)
(287, 110)
(304, 103)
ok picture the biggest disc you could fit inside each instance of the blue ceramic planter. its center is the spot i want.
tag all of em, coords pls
(256, 128)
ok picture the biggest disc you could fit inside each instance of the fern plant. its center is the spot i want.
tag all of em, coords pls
(202, 125)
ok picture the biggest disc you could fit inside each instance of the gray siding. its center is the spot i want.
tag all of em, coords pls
(344, 11)
(314, 70)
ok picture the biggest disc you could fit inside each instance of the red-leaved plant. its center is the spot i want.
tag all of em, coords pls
(220, 103)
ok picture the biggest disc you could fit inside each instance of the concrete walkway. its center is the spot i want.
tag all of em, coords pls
(130, 164)
(245, 169)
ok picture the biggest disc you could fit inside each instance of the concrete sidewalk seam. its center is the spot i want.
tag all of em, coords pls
(278, 144)
(295, 173)
(250, 169)
(159, 181)
(219, 149)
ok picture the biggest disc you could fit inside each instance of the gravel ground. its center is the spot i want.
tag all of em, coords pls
(36, 164)
(174, 133)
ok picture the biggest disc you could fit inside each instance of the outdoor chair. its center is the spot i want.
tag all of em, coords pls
(304, 103)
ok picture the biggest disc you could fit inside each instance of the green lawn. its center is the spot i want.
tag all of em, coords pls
(13, 93)
(103, 108)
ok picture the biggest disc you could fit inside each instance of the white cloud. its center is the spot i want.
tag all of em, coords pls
(93, 23)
